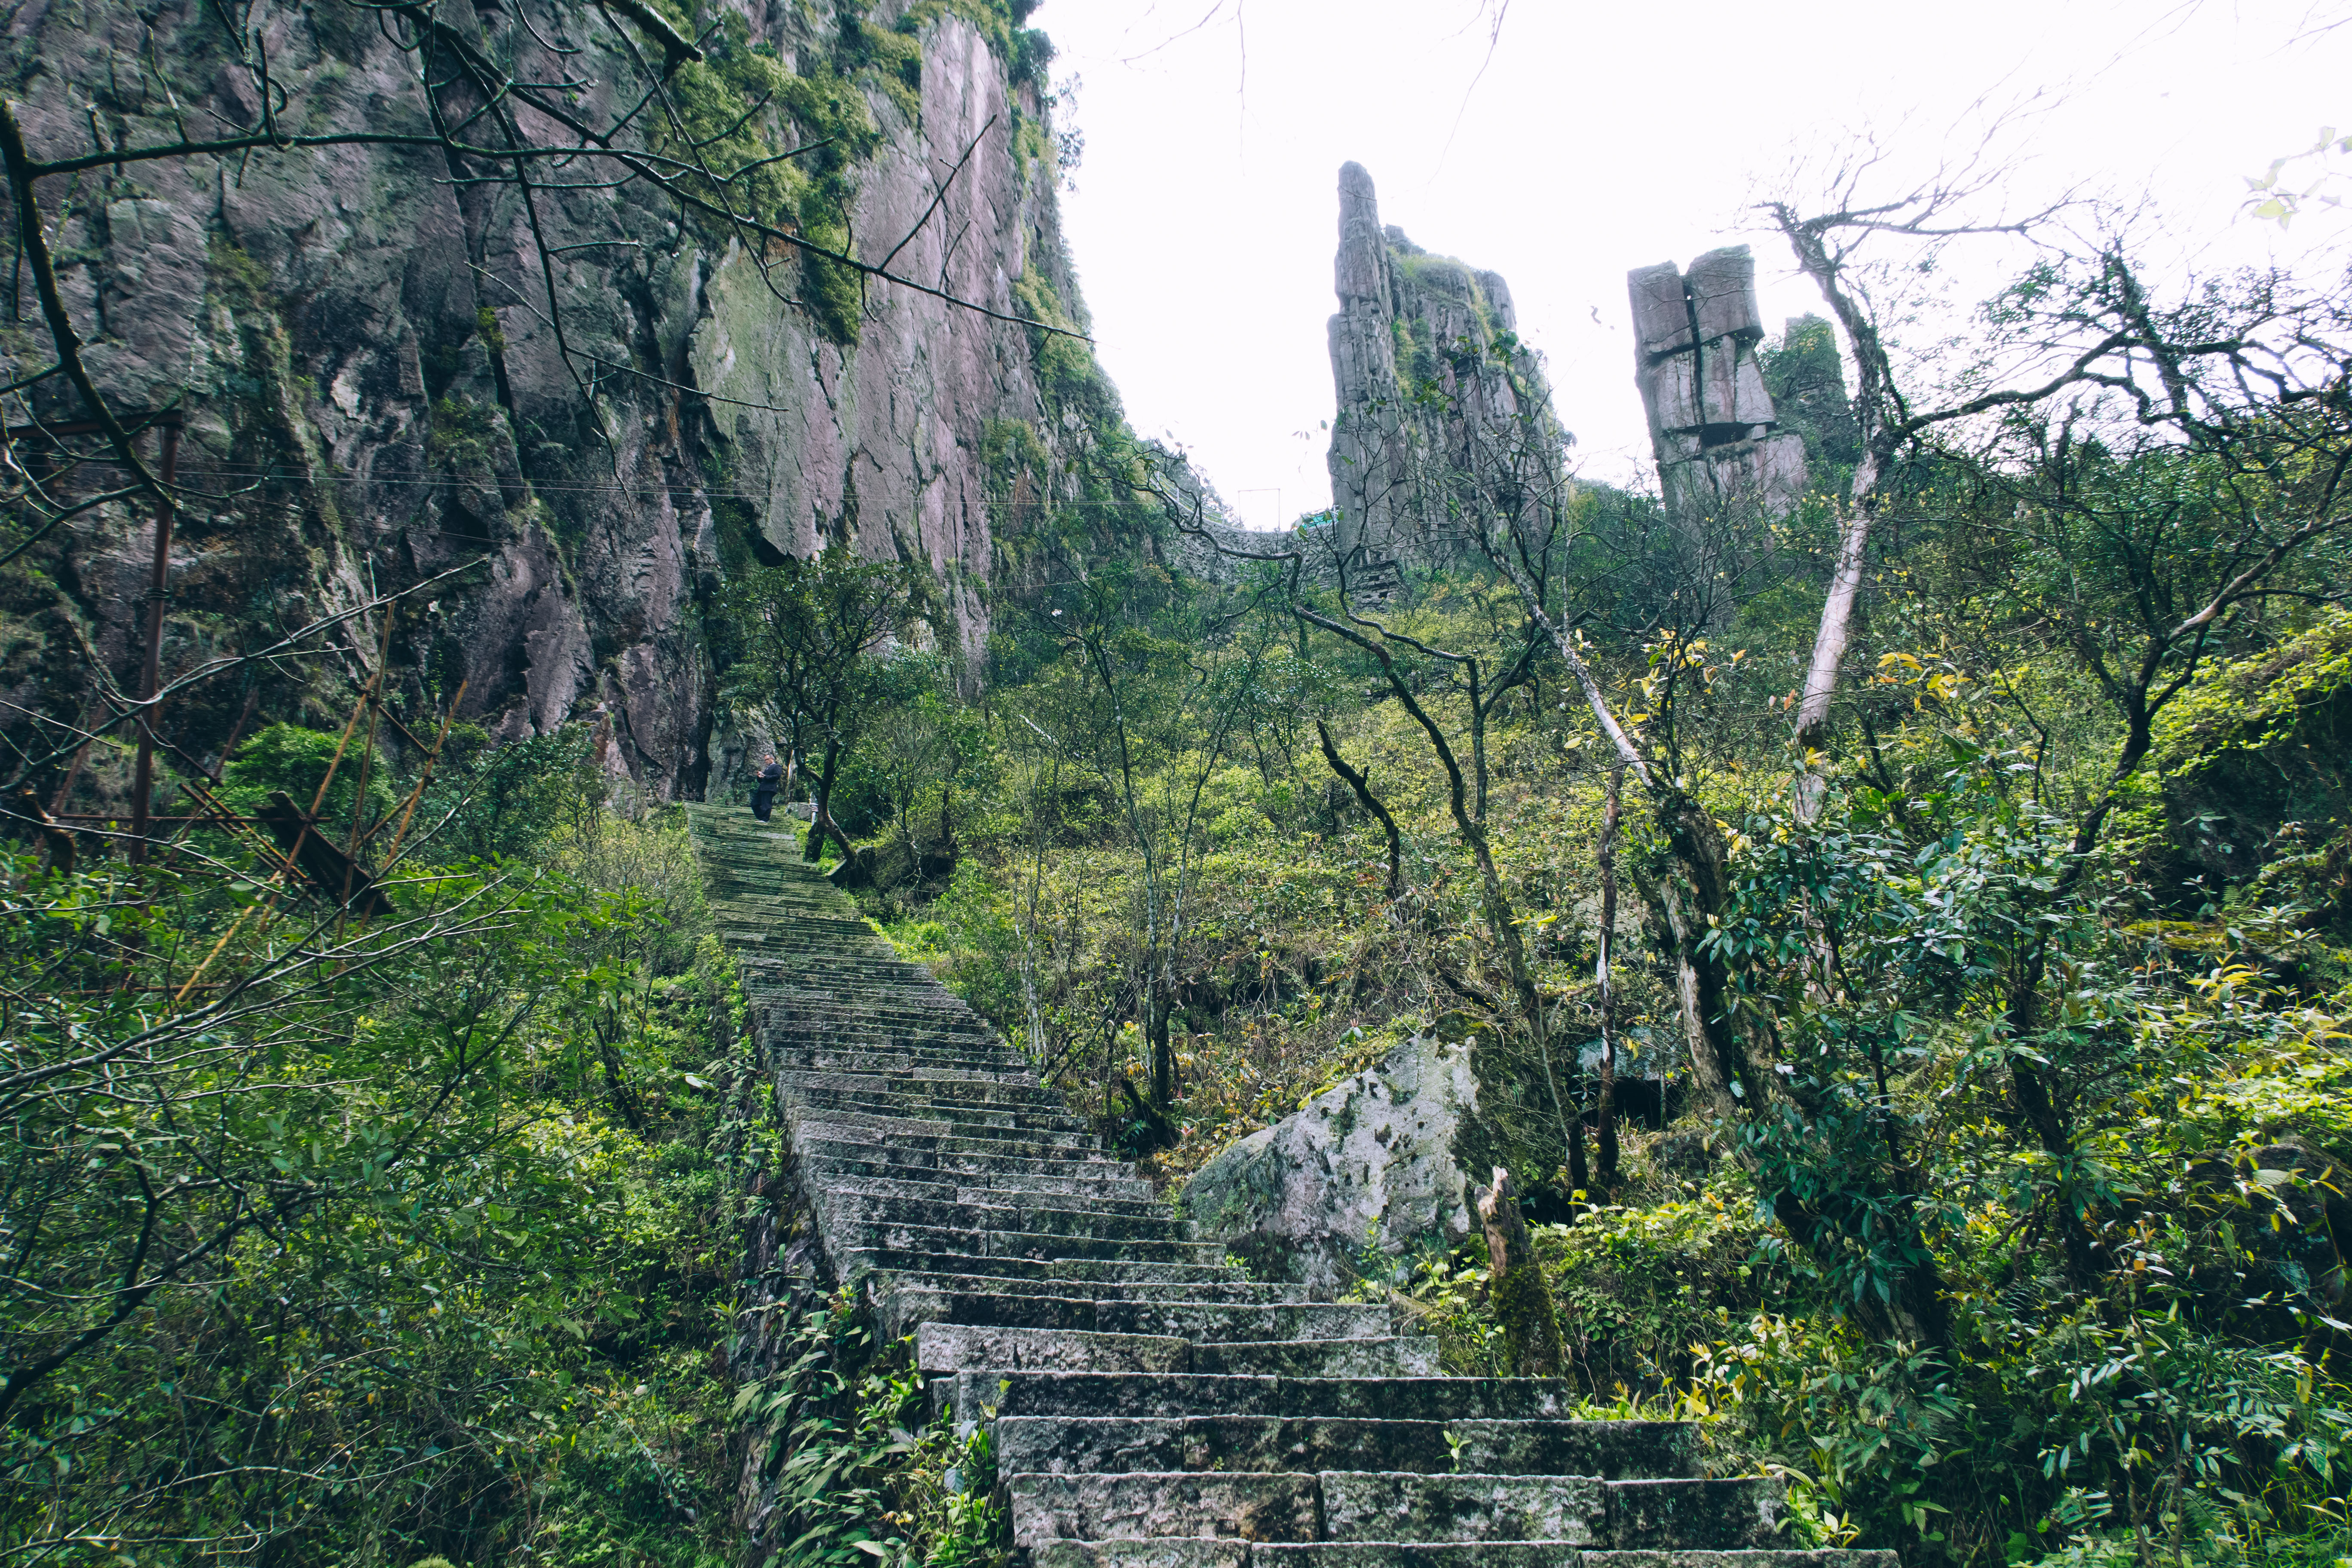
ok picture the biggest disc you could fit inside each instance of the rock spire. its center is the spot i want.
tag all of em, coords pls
(1718, 440)
(1439, 404)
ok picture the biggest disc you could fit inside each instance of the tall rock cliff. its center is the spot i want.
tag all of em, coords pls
(587, 400)
(1444, 413)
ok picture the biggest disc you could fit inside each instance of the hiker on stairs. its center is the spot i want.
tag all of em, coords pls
(770, 779)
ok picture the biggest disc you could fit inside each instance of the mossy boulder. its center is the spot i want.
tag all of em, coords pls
(1363, 1175)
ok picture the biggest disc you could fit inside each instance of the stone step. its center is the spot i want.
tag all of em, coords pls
(1204, 1551)
(909, 1133)
(992, 1298)
(1007, 1268)
(816, 1002)
(1393, 1355)
(855, 1155)
(907, 1062)
(1392, 1506)
(906, 1027)
(851, 1151)
(1061, 1217)
(1108, 1194)
(815, 998)
(870, 981)
(1611, 1450)
(942, 1242)
(920, 1039)
(957, 1120)
(846, 1088)
(803, 1009)
(919, 1105)
(838, 1052)
(884, 1057)
(949, 1348)
(1394, 1399)
(1010, 1075)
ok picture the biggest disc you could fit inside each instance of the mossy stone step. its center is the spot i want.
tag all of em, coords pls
(1145, 1305)
(930, 1069)
(1034, 1246)
(1611, 1450)
(852, 1149)
(1395, 1399)
(1110, 1196)
(963, 1118)
(1014, 1103)
(1025, 1099)
(1388, 1505)
(915, 1135)
(846, 1208)
(1061, 1268)
(949, 1348)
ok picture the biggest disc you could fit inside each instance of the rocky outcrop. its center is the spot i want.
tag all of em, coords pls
(1443, 414)
(1368, 1166)
(367, 352)
(1718, 441)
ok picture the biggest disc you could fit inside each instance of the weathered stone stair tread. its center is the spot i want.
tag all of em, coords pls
(929, 1089)
(854, 1153)
(994, 1125)
(1074, 1444)
(949, 1347)
(1073, 1191)
(985, 1298)
(1153, 1407)
(1004, 1267)
(911, 1132)
(813, 1142)
(1397, 1398)
(1388, 1505)
(983, 1104)
(1063, 1218)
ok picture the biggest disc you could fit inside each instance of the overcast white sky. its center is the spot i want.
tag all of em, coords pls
(1600, 136)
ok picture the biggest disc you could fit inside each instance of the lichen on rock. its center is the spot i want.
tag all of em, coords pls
(1366, 1168)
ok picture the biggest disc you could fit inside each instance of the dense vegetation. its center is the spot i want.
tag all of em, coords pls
(334, 1240)
(380, 1157)
(2011, 1228)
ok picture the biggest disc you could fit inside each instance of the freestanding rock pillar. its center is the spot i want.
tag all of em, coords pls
(1718, 441)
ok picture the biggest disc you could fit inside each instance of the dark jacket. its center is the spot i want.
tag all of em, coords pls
(770, 779)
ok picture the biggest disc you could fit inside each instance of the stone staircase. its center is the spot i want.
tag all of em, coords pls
(1150, 1406)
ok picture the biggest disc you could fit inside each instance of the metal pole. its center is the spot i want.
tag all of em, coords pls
(151, 674)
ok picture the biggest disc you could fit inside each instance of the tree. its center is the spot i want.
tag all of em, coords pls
(807, 640)
(1136, 705)
(2237, 382)
(1408, 668)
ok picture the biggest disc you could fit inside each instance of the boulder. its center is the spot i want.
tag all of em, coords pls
(1369, 1165)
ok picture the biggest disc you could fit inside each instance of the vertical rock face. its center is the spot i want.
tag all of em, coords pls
(1718, 441)
(1440, 407)
(375, 392)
